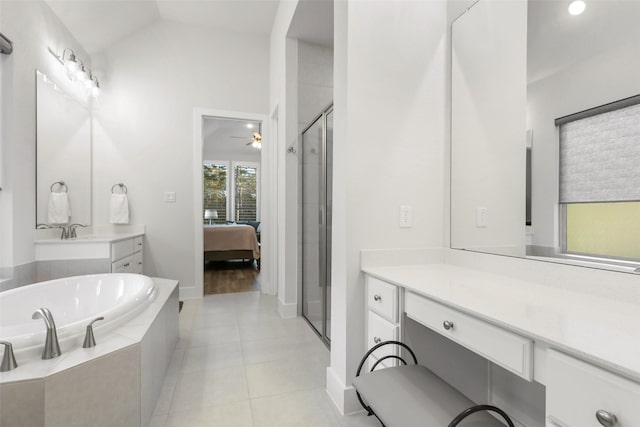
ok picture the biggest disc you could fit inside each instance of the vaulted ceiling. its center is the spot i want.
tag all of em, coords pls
(97, 24)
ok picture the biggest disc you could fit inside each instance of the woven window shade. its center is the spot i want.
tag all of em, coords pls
(600, 157)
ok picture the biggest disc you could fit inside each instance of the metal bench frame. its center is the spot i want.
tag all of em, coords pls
(464, 414)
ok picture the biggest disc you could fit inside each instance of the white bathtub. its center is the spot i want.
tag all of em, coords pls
(74, 302)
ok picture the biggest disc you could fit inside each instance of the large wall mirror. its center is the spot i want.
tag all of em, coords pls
(545, 131)
(63, 155)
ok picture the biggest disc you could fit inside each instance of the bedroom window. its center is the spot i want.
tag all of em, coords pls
(215, 183)
(245, 207)
(599, 181)
(232, 189)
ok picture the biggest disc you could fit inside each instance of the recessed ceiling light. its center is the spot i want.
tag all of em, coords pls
(577, 7)
(250, 125)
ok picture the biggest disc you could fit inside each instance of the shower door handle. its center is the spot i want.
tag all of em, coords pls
(322, 218)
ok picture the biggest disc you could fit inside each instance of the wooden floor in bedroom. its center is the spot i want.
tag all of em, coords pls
(223, 277)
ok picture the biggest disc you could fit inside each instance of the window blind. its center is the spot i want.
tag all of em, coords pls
(600, 156)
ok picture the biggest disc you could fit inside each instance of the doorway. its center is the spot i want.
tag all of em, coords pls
(227, 212)
(231, 204)
(316, 176)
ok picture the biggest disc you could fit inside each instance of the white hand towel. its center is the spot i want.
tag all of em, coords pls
(59, 208)
(119, 212)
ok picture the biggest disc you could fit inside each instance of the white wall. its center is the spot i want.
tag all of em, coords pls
(315, 81)
(388, 151)
(211, 152)
(604, 78)
(33, 28)
(283, 99)
(152, 82)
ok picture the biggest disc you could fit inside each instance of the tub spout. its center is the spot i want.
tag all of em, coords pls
(51, 345)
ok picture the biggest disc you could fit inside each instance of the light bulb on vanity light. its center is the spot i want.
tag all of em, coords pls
(82, 75)
(95, 90)
(90, 82)
(71, 63)
(577, 7)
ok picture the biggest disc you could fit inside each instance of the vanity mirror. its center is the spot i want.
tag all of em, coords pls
(545, 131)
(63, 153)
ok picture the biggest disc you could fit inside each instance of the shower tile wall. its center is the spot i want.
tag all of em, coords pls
(315, 93)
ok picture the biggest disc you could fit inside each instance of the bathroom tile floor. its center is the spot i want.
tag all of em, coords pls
(238, 363)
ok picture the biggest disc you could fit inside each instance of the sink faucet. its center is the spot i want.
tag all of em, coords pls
(72, 230)
(51, 345)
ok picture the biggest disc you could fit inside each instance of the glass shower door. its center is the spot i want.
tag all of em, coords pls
(316, 223)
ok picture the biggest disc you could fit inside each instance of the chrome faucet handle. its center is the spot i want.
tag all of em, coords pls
(72, 232)
(51, 344)
(89, 339)
(8, 358)
(64, 235)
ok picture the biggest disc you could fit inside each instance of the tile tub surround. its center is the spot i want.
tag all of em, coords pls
(238, 363)
(119, 380)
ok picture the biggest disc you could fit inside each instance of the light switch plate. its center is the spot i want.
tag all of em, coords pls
(170, 196)
(406, 217)
(481, 217)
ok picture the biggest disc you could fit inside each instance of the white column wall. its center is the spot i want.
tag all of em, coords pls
(388, 151)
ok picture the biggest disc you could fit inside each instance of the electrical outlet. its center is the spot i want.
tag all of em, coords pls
(481, 217)
(406, 217)
(170, 196)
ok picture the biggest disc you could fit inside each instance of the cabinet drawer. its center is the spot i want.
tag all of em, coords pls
(577, 390)
(380, 329)
(382, 298)
(138, 244)
(126, 265)
(137, 266)
(121, 249)
(511, 351)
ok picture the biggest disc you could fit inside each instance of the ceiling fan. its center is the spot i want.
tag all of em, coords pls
(255, 141)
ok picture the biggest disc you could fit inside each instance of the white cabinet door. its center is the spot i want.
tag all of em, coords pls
(577, 390)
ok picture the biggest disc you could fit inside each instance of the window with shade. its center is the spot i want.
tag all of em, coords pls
(600, 180)
(230, 191)
(245, 207)
(215, 192)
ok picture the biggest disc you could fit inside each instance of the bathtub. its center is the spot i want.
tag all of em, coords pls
(74, 302)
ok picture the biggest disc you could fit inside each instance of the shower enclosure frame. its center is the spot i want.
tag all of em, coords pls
(324, 224)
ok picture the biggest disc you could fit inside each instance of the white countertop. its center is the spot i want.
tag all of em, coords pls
(603, 331)
(99, 238)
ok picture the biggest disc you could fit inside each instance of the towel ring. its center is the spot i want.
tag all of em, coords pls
(122, 187)
(61, 184)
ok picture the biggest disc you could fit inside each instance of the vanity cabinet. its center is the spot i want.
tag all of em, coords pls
(578, 393)
(383, 323)
(540, 342)
(126, 256)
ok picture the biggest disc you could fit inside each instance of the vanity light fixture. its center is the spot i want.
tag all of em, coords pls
(577, 7)
(76, 71)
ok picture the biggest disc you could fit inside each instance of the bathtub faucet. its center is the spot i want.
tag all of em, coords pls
(51, 345)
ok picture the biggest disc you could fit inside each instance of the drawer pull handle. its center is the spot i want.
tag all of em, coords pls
(606, 418)
(377, 297)
(377, 340)
(447, 324)
(139, 244)
(140, 263)
(126, 265)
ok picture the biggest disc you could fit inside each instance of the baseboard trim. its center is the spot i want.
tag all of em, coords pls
(287, 311)
(343, 397)
(190, 292)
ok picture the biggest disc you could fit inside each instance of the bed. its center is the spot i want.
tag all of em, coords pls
(229, 242)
